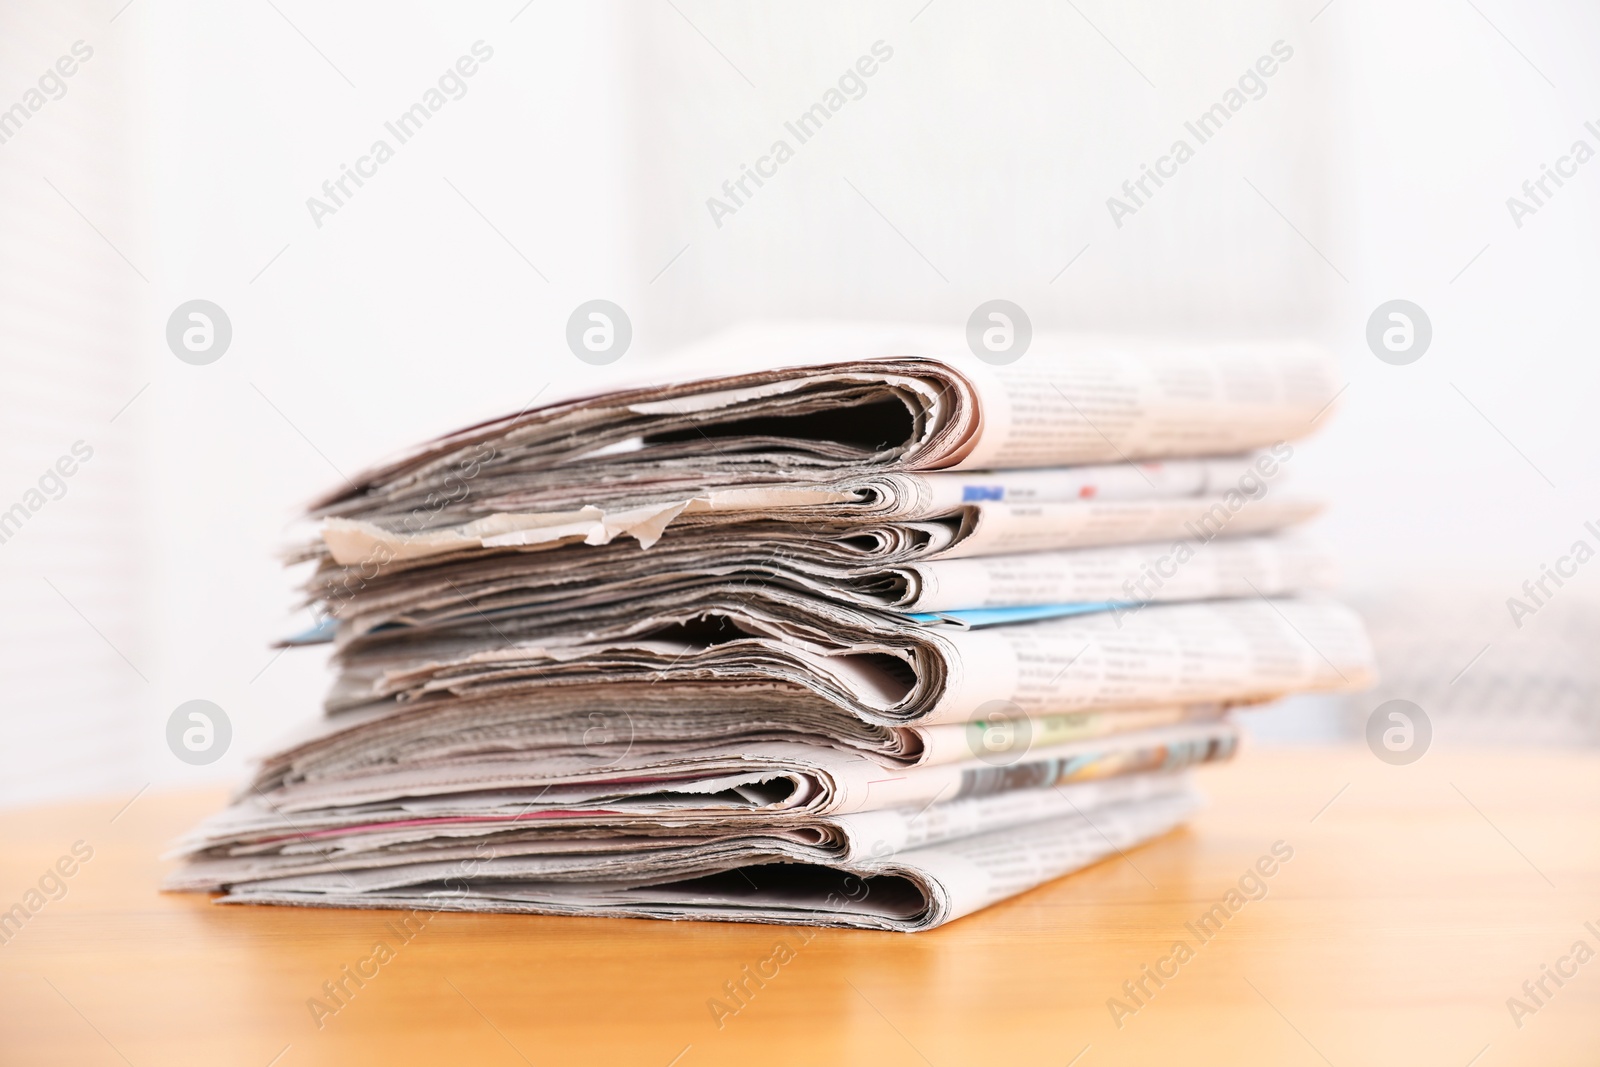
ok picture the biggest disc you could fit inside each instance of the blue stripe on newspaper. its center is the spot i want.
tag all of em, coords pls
(325, 630)
(1000, 616)
(321, 632)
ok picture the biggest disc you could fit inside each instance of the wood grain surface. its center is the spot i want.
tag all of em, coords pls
(1417, 903)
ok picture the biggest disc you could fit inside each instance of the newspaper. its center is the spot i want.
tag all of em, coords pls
(1029, 517)
(230, 851)
(757, 787)
(327, 844)
(881, 671)
(362, 551)
(729, 783)
(815, 437)
(601, 727)
(911, 890)
(885, 570)
(871, 634)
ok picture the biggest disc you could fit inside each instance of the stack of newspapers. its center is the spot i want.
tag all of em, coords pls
(875, 635)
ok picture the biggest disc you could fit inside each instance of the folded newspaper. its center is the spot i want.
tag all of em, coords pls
(853, 423)
(875, 638)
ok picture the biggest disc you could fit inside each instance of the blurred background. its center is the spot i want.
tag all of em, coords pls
(176, 160)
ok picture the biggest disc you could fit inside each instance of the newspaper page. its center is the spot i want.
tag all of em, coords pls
(1100, 400)
(1004, 529)
(968, 874)
(915, 890)
(752, 782)
(1079, 401)
(1126, 573)
(833, 661)
(399, 854)
(1221, 650)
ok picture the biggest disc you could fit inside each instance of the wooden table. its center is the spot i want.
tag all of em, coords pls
(1418, 900)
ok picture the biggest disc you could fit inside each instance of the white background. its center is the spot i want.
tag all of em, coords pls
(577, 165)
